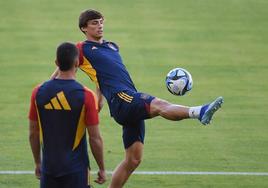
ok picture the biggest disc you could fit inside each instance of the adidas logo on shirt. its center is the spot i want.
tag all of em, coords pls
(58, 103)
(94, 48)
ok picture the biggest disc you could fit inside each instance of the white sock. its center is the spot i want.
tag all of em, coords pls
(194, 112)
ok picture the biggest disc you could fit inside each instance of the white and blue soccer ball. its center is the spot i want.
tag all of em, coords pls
(179, 81)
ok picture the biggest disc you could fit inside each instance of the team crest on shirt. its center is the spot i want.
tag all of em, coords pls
(112, 46)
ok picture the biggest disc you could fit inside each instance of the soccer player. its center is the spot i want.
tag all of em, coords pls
(101, 61)
(61, 111)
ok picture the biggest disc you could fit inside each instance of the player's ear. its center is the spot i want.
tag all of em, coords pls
(83, 29)
(76, 63)
(56, 62)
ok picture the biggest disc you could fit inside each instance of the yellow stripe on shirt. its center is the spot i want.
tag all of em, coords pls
(89, 70)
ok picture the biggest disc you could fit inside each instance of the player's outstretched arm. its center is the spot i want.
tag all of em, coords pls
(34, 139)
(100, 98)
(96, 145)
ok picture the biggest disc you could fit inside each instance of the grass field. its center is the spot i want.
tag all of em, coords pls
(223, 43)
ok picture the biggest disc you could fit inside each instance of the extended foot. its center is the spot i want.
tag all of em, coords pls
(208, 110)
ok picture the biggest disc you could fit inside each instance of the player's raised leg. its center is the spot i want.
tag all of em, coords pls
(132, 160)
(160, 107)
(204, 113)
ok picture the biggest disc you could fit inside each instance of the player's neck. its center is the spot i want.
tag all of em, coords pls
(97, 40)
(66, 75)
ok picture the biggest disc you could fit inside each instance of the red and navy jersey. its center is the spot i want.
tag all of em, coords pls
(63, 109)
(103, 64)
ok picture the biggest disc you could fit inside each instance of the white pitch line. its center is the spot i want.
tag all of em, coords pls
(162, 173)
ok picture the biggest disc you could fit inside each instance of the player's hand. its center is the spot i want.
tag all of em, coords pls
(100, 105)
(101, 177)
(38, 171)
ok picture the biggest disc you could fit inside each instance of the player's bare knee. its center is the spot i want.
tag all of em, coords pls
(163, 107)
(134, 162)
(158, 106)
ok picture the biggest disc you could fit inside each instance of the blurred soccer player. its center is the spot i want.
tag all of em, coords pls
(61, 111)
(101, 61)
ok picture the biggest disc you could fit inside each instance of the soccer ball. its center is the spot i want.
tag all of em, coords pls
(179, 81)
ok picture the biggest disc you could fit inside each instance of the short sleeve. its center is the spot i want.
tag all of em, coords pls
(33, 111)
(79, 45)
(91, 108)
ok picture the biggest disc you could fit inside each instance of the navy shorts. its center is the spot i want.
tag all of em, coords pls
(130, 109)
(74, 180)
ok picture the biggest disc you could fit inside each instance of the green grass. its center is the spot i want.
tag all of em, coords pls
(222, 43)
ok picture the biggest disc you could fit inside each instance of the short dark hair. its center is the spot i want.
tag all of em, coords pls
(87, 15)
(67, 53)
